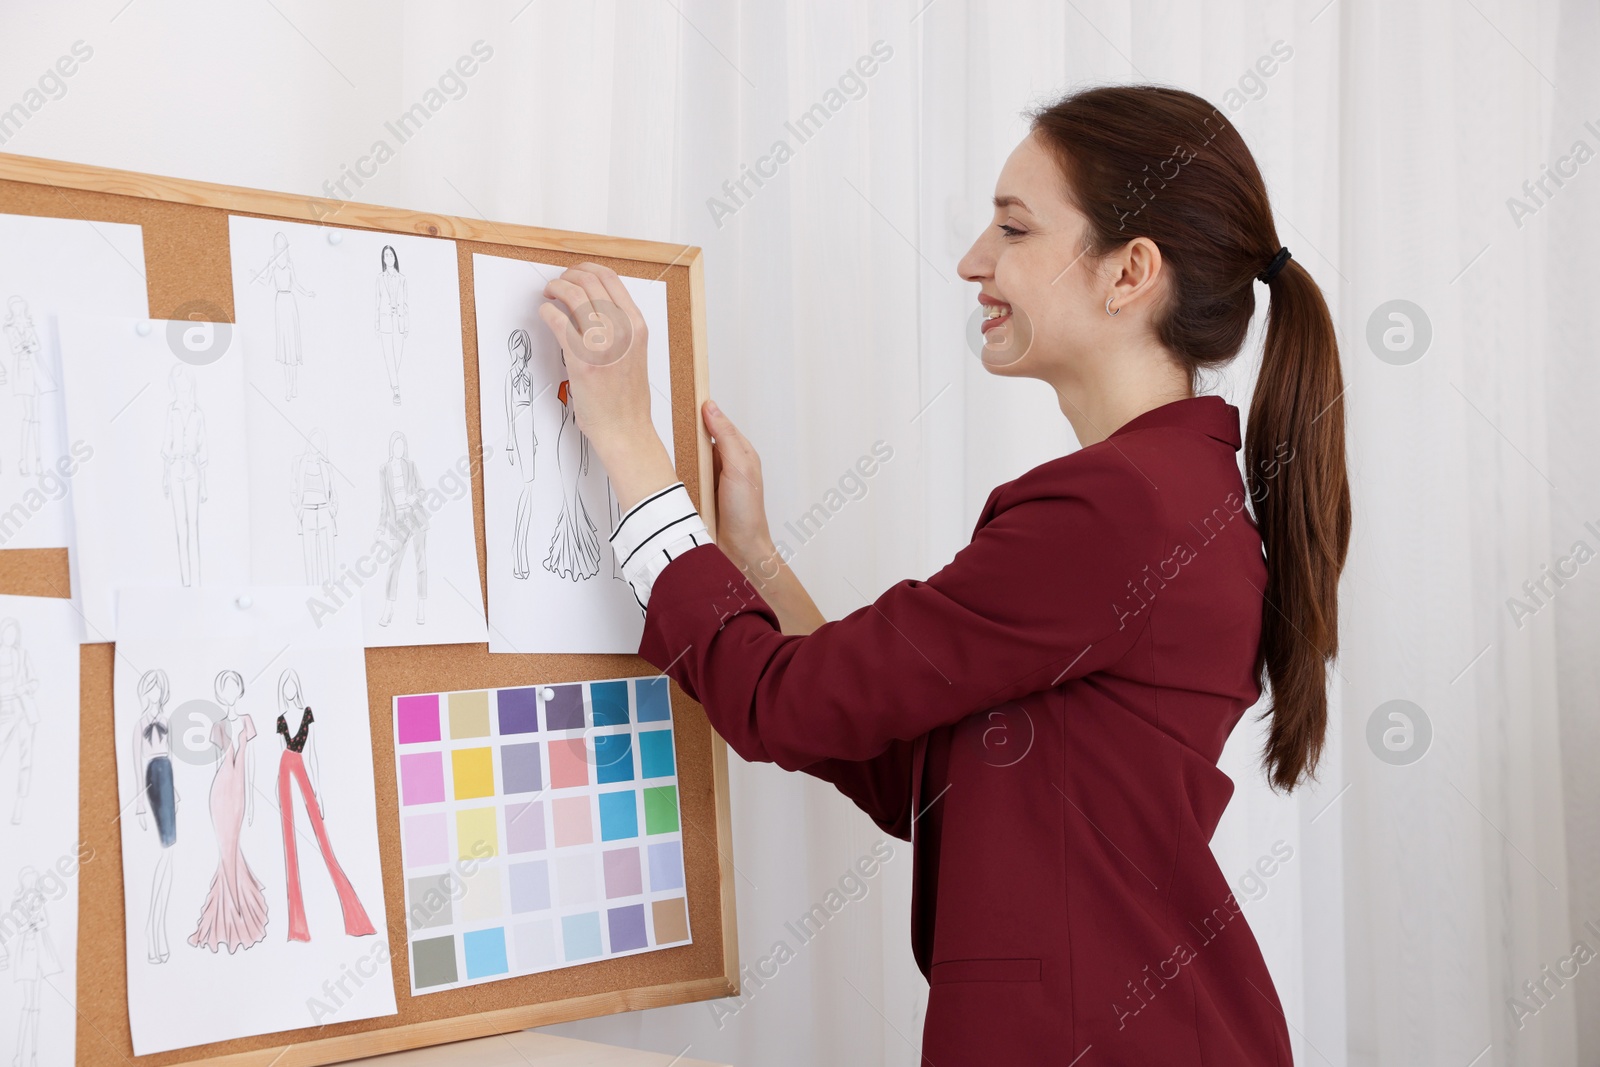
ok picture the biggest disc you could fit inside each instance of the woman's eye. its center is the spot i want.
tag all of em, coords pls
(1010, 231)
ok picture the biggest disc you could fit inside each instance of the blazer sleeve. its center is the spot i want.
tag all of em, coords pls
(880, 786)
(1038, 596)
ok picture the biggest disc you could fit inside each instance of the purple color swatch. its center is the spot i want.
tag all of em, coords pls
(627, 927)
(622, 873)
(519, 710)
(525, 827)
(564, 709)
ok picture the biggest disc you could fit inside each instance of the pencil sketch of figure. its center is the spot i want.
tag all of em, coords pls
(614, 511)
(183, 473)
(279, 269)
(394, 320)
(235, 911)
(299, 755)
(25, 943)
(152, 765)
(574, 546)
(19, 712)
(316, 507)
(521, 443)
(30, 377)
(402, 521)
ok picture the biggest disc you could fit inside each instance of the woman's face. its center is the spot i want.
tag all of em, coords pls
(1046, 298)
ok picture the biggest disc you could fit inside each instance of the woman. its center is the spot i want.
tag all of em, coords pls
(152, 763)
(26, 939)
(1114, 609)
(574, 547)
(19, 711)
(285, 312)
(235, 911)
(402, 520)
(32, 378)
(298, 752)
(521, 442)
(314, 499)
(394, 319)
(183, 469)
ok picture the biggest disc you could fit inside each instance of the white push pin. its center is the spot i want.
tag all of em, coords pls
(244, 601)
(335, 236)
(142, 328)
(547, 693)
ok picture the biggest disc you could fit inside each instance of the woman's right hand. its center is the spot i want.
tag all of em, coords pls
(741, 503)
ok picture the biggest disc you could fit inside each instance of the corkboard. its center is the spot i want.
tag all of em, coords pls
(188, 274)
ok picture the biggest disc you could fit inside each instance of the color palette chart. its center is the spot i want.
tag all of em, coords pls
(539, 828)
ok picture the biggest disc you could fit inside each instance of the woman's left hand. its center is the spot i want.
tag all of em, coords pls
(604, 339)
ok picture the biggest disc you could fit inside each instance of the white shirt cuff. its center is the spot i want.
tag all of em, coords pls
(654, 532)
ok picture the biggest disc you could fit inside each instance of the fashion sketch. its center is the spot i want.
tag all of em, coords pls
(27, 950)
(235, 911)
(183, 469)
(152, 765)
(279, 270)
(19, 711)
(29, 376)
(614, 510)
(402, 521)
(574, 546)
(315, 503)
(298, 766)
(521, 442)
(394, 320)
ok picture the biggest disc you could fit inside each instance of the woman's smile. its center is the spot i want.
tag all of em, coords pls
(995, 312)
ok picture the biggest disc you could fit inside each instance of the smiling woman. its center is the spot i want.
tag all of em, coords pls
(1097, 835)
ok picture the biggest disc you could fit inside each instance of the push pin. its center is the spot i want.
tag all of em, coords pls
(335, 236)
(142, 328)
(244, 601)
(547, 693)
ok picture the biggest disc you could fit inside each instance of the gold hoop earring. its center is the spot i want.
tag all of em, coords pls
(1115, 313)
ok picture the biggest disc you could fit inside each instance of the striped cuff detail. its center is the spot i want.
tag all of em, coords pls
(654, 532)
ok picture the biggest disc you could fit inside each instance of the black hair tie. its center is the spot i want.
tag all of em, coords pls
(1275, 266)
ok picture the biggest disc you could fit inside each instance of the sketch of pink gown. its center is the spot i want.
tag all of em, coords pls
(235, 912)
(574, 546)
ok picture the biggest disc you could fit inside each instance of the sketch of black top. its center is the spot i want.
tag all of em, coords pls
(394, 315)
(19, 711)
(29, 376)
(183, 474)
(402, 521)
(155, 795)
(314, 500)
(297, 743)
(521, 443)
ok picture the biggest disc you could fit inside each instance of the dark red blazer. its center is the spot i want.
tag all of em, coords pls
(1042, 718)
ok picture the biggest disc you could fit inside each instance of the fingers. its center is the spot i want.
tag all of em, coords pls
(730, 441)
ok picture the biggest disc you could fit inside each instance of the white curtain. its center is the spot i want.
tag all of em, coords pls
(1417, 899)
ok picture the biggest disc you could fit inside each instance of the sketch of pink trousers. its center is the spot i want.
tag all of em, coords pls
(416, 535)
(292, 768)
(185, 495)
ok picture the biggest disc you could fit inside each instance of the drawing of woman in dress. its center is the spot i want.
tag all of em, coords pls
(152, 765)
(285, 312)
(19, 713)
(521, 442)
(183, 473)
(235, 911)
(394, 319)
(574, 546)
(299, 754)
(26, 940)
(402, 520)
(32, 377)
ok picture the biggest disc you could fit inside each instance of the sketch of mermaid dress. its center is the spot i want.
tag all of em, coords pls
(25, 943)
(183, 477)
(32, 377)
(523, 443)
(19, 714)
(574, 545)
(316, 508)
(235, 911)
(292, 771)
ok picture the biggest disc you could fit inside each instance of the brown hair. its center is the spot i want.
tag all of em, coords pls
(1151, 161)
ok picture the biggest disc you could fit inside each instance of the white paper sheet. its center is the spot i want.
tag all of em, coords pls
(173, 695)
(40, 849)
(49, 266)
(165, 500)
(554, 583)
(331, 340)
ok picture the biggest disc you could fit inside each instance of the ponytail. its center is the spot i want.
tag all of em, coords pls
(1118, 148)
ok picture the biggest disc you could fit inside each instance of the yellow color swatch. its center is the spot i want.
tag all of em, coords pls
(476, 836)
(472, 770)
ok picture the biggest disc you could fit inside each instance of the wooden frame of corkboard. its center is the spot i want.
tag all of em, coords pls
(187, 265)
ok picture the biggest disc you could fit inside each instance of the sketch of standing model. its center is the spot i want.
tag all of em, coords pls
(299, 753)
(574, 547)
(402, 520)
(521, 443)
(394, 320)
(19, 713)
(235, 911)
(183, 472)
(286, 313)
(152, 765)
(316, 507)
(25, 940)
(30, 378)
